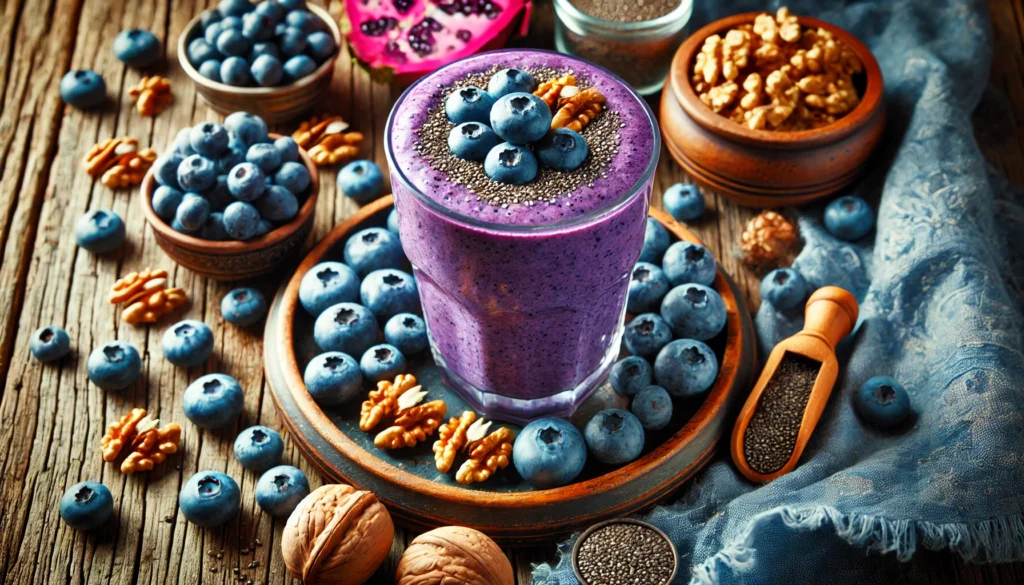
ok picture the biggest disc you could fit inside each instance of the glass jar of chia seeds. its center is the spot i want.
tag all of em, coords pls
(609, 33)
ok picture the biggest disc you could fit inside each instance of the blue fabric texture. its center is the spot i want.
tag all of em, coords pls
(940, 285)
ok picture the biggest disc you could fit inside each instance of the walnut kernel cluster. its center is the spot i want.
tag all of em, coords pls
(149, 442)
(146, 296)
(775, 74)
(328, 140)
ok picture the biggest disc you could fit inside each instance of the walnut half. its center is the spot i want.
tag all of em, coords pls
(454, 555)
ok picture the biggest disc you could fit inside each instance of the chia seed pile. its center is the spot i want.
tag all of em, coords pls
(602, 136)
(625, 554)
(626, 10)
(772, 432)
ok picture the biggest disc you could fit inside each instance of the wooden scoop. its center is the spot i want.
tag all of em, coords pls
(830, 315)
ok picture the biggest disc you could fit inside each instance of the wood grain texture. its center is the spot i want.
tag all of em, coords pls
(51, 418)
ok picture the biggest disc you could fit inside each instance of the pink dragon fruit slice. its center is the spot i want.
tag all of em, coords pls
(409, 38)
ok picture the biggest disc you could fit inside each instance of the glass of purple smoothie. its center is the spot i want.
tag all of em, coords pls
(523, 286)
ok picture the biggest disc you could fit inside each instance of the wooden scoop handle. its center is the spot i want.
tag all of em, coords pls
(830, 314)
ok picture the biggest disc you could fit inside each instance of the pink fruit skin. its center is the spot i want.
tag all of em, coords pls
(387, 51)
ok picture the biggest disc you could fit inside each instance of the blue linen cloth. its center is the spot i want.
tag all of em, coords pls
(940, 285)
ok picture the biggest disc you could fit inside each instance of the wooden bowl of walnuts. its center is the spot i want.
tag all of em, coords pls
(229, 260)
(773, 109)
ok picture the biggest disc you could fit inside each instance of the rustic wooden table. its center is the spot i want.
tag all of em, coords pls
(51, 418)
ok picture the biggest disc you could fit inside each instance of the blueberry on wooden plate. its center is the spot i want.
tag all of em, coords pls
(333, 378)
(630, 375)
(686, 262)
(346, 327)
(686, 367)
(373, 249)
(382, 362)
(614, 436)
(549, 452)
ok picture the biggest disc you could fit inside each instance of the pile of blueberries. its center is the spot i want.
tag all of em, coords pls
(355, 302)
(230, 181)
(270, 43)
(499, 126)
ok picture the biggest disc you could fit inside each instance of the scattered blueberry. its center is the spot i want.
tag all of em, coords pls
(243, 307)
(280, 490)
(361, 181)
(562, 150)
(373, 249)
(293, 176)
(509, 81)
(100, 231)
(235, 71)
(647, 286)
(630, 375)
(115, 365)
(333, 378)
(241, 220)
(188, 343)
(345, 327)
(393, 221)
(298, 66)
(883, 403)
(137, 48)
(209, 139)
(278, 204)
(520, 118)
(213, 401)
(320, 46)
(382, 362)
(326, 284)
(656, 241)
(549, 452)
(614, 436)
(199, 51)
(50, 343)
(849, 218)
(287, 149)
(652, 407)
(83, 89)
(511, 163)
(472, 140)
(265, 156)
(646, 334)
(86, 505)
(388, 291)
(407, 332)
(248, 127)
(686, 262)
(784, 288)
(246, 182)
(197, 174)
(694, 311)
(192, 212)
(267, 70)
(686, 367)
(469, 104)
(209, 498)
(259, 448)
(684, 202)
(165, 169)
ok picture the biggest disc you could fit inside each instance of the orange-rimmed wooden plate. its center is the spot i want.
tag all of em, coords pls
(505, 507)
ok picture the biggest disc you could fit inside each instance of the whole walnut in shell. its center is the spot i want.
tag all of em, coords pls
(337, 535)
(454, 555)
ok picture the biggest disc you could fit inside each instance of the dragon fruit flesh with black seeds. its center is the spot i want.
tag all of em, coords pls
(410, 38)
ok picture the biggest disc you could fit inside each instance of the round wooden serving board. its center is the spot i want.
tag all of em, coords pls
(506, 507)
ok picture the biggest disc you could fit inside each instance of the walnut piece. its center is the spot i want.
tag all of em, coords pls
(146, 296)
(551, 91)
(766, 239)
(312, 131)
(150, 444)
(454, 555)
(336, 149)
(152, 95)
(105, 154)
(792, 78)
(337, 536)
(383, 402)
(129, 169)
(577, 111)
(412, 426)
(451, 438)
(132, 284)
(486, 456)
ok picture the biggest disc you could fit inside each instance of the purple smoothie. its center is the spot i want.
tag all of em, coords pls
(523, 303)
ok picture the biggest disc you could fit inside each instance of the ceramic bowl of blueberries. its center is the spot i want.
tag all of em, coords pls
(237, 211)
(272, 58)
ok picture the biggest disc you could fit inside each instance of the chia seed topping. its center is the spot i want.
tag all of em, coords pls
(625, 553)
(772, 432)
(550, 186)
(626, 10)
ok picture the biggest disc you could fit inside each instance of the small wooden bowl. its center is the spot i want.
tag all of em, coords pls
(583, 537)
(273, 104)
(763, 168)
(234, 260)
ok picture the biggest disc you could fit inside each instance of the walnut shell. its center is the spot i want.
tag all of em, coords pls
(454, 555)
(337, 535)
